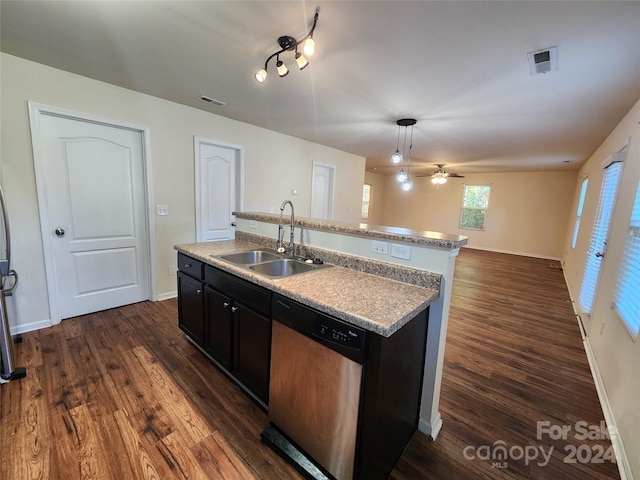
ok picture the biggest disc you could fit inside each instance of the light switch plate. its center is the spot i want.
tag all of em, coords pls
(401, 251)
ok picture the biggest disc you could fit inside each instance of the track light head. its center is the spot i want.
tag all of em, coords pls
(309, 47)
(283, 71)
(301, 61)
(261, 75)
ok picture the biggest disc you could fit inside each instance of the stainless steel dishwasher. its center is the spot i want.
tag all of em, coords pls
(315, 389)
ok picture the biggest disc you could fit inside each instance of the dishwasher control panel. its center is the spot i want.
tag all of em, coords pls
(338, 332)
(333, 333)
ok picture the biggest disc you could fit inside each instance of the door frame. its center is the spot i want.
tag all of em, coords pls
(239, 152)
(333, 186)
(36, 111)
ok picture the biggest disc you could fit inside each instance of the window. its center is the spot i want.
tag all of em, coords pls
(475, 201)
(599, 235)
(366, 199)
(583, 193)
(626, 299)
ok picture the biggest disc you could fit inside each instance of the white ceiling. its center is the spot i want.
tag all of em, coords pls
(459, 68)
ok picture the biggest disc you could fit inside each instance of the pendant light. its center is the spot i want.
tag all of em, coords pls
(403, 176)
(396, 158)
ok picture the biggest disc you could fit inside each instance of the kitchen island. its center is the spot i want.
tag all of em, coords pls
(370, 313)
(352, 423)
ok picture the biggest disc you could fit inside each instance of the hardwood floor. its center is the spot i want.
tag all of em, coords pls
(121, 394)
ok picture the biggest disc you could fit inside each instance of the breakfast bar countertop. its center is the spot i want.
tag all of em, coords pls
(373, 302)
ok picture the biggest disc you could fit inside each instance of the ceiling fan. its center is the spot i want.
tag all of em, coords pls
(440, 175)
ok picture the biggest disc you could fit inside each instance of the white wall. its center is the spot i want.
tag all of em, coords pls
(616, 354)
(528, 211)
(269, 176)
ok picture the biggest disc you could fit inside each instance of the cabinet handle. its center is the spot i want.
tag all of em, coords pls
(226, 304)
(233, 309)
(187, 265)
(198, 292)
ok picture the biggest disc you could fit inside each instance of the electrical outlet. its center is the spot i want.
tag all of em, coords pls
(253, 224)
(173, 269)
(380, 247)
(401, 251)
(162, 210)
(602, 328)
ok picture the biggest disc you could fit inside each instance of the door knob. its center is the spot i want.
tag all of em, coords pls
(59, 232)
(599, 254)
(233, 224)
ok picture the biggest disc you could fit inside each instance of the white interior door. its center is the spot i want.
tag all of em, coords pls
(216, 190)
(93, 214)
(322, 191)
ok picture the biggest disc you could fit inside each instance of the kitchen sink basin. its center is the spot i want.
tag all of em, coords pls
(250, 257)
(284, 267)
(269, 263)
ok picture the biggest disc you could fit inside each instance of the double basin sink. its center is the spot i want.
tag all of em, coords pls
(270, 263)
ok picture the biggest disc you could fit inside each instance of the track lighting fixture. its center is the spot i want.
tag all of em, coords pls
(288, 43)
(403, 177)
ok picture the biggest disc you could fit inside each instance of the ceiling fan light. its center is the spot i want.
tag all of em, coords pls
(309, 47)
(261, 75)
(396, 158)
(283, 71)
(442, 180)
(435, 180)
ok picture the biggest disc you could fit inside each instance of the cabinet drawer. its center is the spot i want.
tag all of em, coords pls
(190, 266)
(253, 296)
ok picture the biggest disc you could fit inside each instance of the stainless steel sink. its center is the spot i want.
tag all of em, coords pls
(250, 257)
(284, 267)
(269, 263)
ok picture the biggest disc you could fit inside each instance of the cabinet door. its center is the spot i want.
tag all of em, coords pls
(191, 307)
(252, 351)
(218, 327)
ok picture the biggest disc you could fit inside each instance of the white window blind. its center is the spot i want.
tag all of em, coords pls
(626, 299)
(599, 235)
(576, 228)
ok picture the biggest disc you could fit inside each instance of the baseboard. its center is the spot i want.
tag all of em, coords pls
(432, 429)
(522, 254)
(168, 295)
(29, 327)
(618, 447)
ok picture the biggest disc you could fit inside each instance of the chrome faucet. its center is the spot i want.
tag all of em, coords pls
(281, 246)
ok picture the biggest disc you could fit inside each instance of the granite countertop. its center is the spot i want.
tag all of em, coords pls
(372, 302)
(418, 237)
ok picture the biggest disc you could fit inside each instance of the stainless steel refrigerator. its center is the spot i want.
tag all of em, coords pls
(8, 283)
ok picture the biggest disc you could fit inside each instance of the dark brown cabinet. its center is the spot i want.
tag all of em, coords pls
(191, 298)
(252, 349)
(218, 327)
(230, 320)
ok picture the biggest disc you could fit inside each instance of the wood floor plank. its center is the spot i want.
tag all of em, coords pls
(137, 454)
(189, 420)
(121, 394)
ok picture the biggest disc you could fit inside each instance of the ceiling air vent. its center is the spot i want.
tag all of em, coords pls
(212, 101)
(543, 61)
